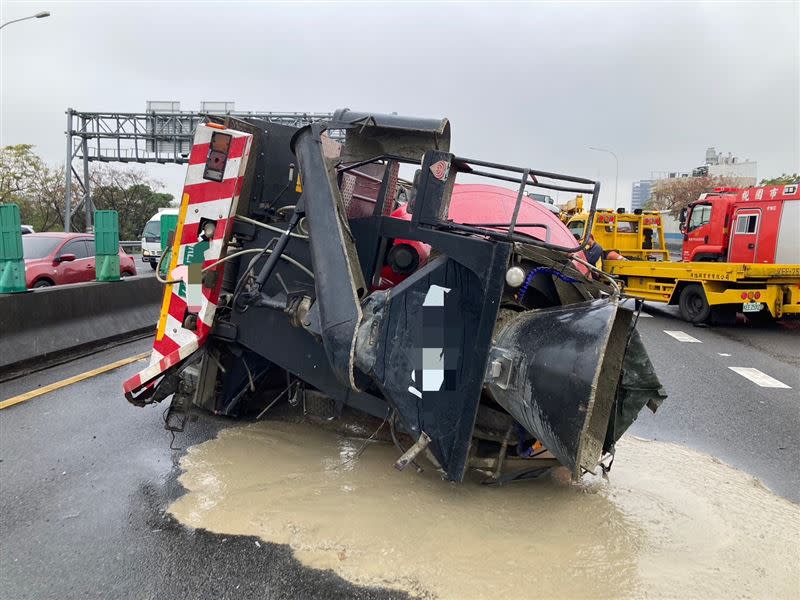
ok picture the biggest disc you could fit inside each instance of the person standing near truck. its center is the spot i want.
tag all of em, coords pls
(595, 254)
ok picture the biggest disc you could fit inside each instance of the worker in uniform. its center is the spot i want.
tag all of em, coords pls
(595, 254)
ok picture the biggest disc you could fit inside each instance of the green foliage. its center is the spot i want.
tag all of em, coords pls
(785, 179)
(39, 191)
(36, 188)
(131, 194)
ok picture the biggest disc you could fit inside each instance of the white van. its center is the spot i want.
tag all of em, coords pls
(151, 237)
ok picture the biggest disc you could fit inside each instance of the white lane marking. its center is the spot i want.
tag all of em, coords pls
(682, 336)
(759, 378)
(644, 315)
(723, 354)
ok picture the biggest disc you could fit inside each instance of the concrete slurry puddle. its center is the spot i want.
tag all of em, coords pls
(669, 522)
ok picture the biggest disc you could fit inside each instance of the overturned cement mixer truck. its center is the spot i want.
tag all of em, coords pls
(462, 313)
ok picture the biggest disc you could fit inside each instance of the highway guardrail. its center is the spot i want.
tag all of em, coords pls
(43, 325)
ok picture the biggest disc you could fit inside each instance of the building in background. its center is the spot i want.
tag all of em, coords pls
(640, 193)
(719, 165)
(744, 172)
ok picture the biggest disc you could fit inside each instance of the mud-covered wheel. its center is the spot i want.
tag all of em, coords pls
(693, 304)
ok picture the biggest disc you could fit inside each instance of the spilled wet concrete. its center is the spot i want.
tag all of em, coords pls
(670, 522)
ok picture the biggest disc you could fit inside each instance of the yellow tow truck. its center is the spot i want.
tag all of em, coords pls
(707, 291)
(638, 235)
(703, 291)
(713, 291)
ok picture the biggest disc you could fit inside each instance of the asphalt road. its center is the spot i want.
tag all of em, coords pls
(716, 410)
(85, 478)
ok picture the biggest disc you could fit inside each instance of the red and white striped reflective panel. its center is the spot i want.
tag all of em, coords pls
(202, 200)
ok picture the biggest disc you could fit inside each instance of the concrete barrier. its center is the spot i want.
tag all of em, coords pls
(42, 325)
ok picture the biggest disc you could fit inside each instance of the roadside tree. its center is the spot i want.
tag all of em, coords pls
(38, 190)
(131, 193)
(675, 194)
(785, 179)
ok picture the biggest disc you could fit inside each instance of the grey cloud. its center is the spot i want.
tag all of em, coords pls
(522, 83)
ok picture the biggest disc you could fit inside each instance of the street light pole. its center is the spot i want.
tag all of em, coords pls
(616, 180)
(40, 15)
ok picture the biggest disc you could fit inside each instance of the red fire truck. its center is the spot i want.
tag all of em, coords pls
(753, 225)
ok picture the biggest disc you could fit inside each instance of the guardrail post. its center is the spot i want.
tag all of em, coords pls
(12, 262)
(106, 245)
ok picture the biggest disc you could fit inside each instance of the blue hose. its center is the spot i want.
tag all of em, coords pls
(524, 287)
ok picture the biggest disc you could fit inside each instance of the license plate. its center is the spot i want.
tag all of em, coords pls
(752, 306)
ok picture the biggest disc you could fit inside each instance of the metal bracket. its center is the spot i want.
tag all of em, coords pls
(500, 368)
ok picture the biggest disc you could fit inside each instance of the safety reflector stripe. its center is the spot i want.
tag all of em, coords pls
(211, 190)
(191, 231)
(202, 199)
(173, 261)
(144, 377)
(194, 174)
(202, 140)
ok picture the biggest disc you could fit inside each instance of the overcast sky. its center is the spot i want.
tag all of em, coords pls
(529, 84)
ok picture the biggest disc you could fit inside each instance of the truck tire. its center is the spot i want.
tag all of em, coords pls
(153, 264)
(693, 304)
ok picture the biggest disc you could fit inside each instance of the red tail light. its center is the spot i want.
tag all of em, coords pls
(217, 156)
(757, 295)
(744, 295)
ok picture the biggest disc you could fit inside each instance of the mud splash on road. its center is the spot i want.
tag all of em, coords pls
(670, 522)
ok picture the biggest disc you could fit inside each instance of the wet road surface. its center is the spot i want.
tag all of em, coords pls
(716, 410)
(86, 478)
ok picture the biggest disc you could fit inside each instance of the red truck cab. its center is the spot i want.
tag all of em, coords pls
(753, 225)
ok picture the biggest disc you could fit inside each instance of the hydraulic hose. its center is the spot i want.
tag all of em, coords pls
(288, 259)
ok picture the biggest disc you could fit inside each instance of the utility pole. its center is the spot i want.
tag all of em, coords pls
(87, 199)
(616, 180)
(40, 15)
(68, 176)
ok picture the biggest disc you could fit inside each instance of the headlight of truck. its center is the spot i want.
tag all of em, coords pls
(515, 277)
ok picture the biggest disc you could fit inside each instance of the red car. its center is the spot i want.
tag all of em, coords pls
(57, 258)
